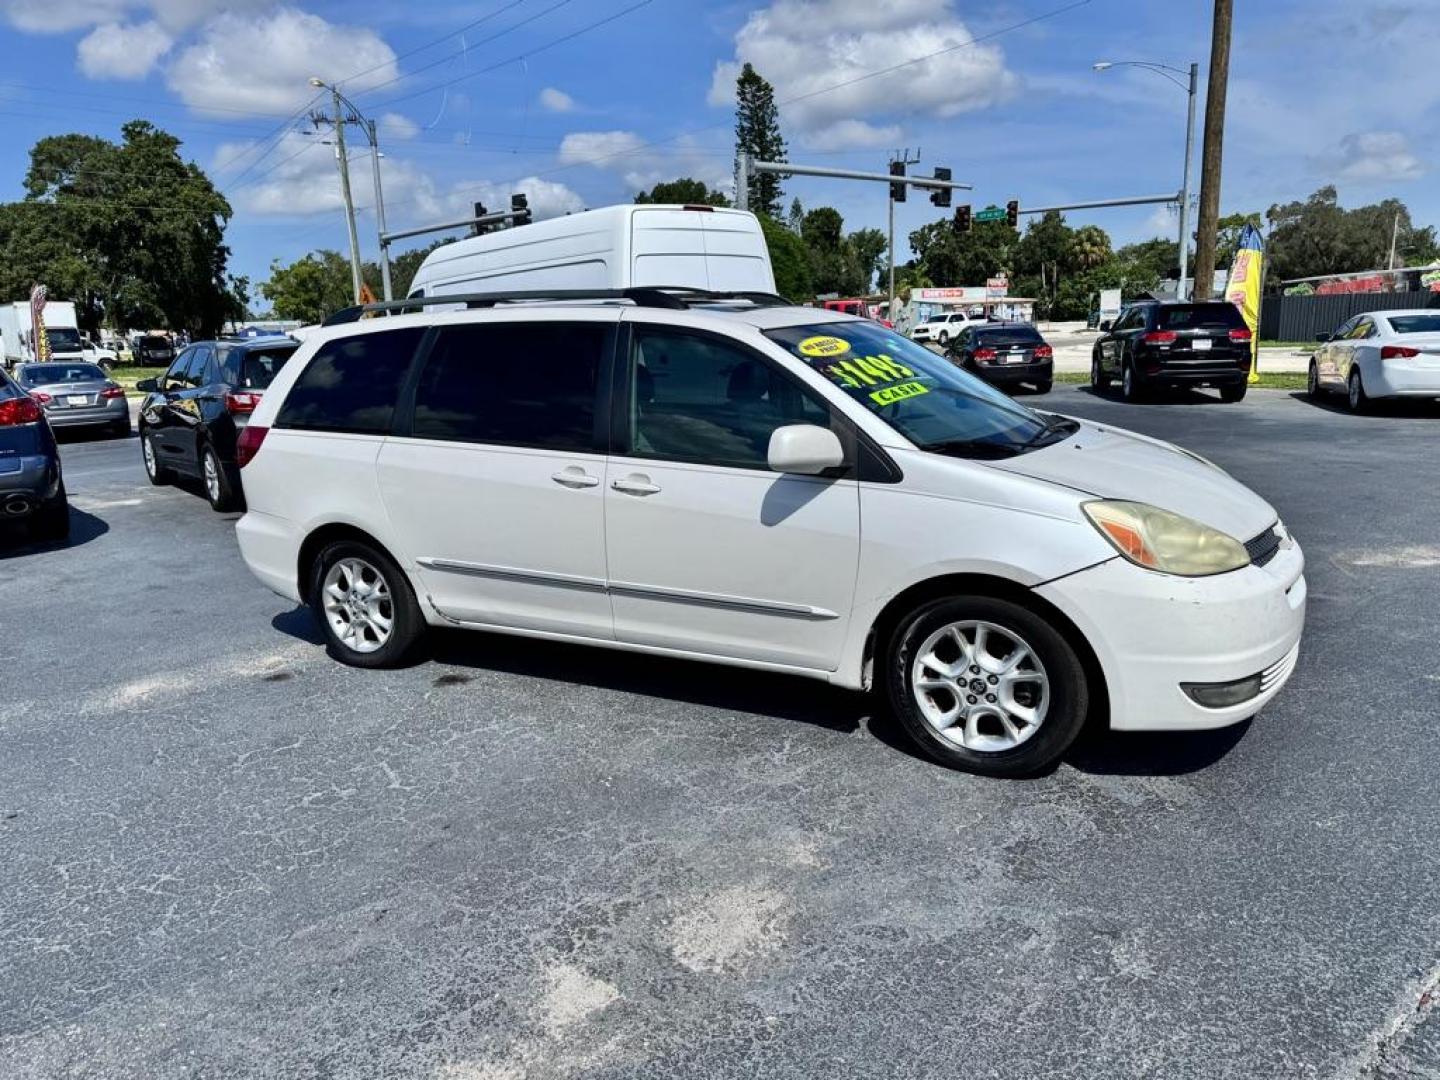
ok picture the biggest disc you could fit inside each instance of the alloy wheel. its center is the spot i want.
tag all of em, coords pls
(1357, 392)
(358, 606)
(212, 476)
(980, 686)
(147, 452)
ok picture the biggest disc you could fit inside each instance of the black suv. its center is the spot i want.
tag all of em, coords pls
(193, 414)
(1172, 344)
(1005, 354)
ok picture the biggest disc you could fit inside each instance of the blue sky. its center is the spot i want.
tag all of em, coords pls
(476, 100)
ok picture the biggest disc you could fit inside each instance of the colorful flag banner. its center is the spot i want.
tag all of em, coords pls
(1243, 289)
(39, 339)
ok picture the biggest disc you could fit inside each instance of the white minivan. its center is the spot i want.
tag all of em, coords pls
(704, 247)
(753, 483)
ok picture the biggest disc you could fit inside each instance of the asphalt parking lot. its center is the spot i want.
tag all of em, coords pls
(223, 854)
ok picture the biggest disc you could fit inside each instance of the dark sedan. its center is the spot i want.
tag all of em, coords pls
(192, 415)
(1154, 345)
(32, 490)
(1005, 355)
(76, 395)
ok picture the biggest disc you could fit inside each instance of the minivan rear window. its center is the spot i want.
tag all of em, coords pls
(1222, 316)
(351, 384)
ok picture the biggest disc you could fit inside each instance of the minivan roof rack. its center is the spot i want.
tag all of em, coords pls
(673, 297)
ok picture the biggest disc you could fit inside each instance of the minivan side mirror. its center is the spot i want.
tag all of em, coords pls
(804, 449)
(1105, 326)
(148, 386)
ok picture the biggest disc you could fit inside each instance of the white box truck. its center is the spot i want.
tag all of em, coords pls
(61, 327)
(618, 247)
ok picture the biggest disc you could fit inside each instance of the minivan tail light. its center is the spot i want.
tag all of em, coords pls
(985, 354)
(1044, 352)
(1160, 337)
(1240, 335)
(21, 410)
(1397, 352)
(241, 402)
(249, 443)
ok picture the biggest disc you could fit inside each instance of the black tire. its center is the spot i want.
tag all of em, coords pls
(1312, 381)
(1098, 379)
(1130, 388)
(943, 337)
(220, 481)
(52, 521)
(1356, 397)
(158, 474)
(1068, 689)
(407, 623)
(1044, 387)
(1232, 394)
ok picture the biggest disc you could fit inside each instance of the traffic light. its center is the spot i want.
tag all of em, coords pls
(962, 218)
(521, 205)
(480, 211)
(941, 197)
(897, 191)
(1012, 213)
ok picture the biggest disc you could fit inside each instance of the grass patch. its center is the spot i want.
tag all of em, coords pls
(1293, 346)
(128, 376)
(1269, 380)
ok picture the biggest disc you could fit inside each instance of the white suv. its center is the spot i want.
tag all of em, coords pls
(943, 327)
(775, 487)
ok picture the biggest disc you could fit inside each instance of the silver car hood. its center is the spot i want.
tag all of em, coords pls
(1111, 463)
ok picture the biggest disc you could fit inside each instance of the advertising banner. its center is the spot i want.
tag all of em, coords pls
(1243, 289)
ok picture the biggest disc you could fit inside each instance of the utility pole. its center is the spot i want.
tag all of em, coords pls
(380, 212)
(345, 192)
(1394, 235)
(1211, 154)
(1185, 187)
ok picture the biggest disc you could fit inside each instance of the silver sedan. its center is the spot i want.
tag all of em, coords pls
(1380, 354)
(76, 395)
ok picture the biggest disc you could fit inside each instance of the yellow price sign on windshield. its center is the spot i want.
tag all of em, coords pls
(889, 395)
(824, 347)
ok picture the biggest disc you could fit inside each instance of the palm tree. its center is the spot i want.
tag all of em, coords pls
(1089, 247)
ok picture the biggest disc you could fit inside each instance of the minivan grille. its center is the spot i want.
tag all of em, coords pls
(1264, 547)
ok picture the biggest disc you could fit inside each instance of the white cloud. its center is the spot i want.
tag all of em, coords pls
(264, 62)
(599, 148)
(807, 47)
(117, 51)
(852, 135)
(302, 180)
(643, 165)
(394, 126)
(557, 101)
(1376, 156)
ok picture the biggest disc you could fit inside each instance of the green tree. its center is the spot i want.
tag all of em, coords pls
(1318, 236)
(968, 258)
(757, 132)
(316, 286)
(1148, 262)
(1089, 248)
(867, 250)
(789, 259)
(685, 191)
(796, 217)
(130, 231)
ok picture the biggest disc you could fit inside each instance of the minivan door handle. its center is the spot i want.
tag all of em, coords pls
(574, 477)
(635, 484)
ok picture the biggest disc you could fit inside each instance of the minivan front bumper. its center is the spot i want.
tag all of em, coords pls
(1157, 634)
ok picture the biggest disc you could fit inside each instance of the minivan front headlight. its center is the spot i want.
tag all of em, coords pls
(1170, 543)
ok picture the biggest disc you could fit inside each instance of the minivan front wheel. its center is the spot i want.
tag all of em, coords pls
(985, 685)
(365, 605)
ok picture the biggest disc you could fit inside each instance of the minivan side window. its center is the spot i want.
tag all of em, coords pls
(351, 384)
(513, 384)
(700, 399)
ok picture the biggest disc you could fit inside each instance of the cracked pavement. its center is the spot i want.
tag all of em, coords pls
(224, 855)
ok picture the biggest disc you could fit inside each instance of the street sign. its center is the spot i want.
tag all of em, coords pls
(990, 213)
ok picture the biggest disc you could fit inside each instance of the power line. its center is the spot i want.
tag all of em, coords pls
(518, 56)
(431, 44)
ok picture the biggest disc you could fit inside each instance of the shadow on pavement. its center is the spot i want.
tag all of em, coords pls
(68, 436)
(1393, 408)
(784, 697)
(15, 537)
(1176, 396)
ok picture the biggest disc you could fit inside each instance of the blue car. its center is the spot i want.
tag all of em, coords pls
(32, 490)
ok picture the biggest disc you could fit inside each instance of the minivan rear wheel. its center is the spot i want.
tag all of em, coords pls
(365, 605)
(985, 685)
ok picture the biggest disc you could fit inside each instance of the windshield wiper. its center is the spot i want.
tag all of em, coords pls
(971, 448)
(1053, 426)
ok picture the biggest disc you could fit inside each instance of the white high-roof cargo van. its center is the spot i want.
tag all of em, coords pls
(617, 247)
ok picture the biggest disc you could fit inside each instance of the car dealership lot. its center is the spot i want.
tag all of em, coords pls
(224, 854)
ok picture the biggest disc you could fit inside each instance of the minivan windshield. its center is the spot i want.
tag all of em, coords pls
(921, 395)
